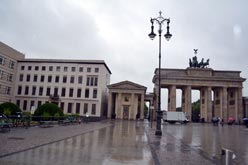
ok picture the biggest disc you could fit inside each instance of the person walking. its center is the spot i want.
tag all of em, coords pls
(222, 122)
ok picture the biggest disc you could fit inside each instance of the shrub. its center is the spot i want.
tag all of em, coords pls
(48, 109)
(9, 108)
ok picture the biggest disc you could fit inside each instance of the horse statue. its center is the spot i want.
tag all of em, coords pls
(205, 64)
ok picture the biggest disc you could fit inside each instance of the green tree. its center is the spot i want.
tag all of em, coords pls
(48, 109)
(9, 108)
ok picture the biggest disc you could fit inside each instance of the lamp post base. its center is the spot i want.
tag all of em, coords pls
(158, 133)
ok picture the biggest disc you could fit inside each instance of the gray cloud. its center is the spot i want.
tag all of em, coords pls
(116, 31)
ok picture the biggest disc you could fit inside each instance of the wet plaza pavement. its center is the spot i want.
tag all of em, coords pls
(123, 142)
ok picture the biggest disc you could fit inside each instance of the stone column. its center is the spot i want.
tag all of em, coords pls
(110, 104)
(240, 106)
(118, 107)
(224, 104)
(203, 103)
(155, 89)
(209, 104)
(188, 102)
(142, 107)
(132, 109)
(183, 99)
(172, 95)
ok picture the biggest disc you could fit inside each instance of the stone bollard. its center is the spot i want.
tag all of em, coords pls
(227, 156)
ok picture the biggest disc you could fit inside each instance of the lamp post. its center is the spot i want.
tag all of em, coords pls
(159, 20)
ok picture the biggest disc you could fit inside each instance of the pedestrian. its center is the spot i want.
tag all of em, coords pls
(222, 122)
(79, 120)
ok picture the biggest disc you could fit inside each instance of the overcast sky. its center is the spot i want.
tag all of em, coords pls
(116, 31)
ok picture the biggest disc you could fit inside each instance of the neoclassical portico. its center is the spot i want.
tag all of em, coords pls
(126, 100)
(220, 91)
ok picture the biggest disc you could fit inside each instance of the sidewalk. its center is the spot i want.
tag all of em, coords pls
(21, 139)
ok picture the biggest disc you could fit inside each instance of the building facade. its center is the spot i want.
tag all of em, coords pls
(8, 69)
(126, 100)
(76, 86)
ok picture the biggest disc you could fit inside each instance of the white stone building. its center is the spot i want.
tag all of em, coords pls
(77, 86)
(8, 68)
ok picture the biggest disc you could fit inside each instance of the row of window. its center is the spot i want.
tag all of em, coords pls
(6, 76)
(5, 90)
(64, 91)
(81, 108)
(58, 68)
(91, 80)
(6, 62)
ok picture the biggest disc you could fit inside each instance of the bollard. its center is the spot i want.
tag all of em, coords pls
(227, 156)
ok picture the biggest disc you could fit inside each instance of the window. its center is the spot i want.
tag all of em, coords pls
(96, 70)
(43, 68)
(50, 68)
(11, 64)
(33, 90)
(64, 79)
(58, 68)
(79, 92)
(48, 91)
(7, 90)
(2, 60)
(88, 69)
(36, 68)
(96, 81)
(92, 81)
(55, 92)
(73, 69)
(65, 69)
(80, 80)
(28, 78)
(81, 69)
(57, 79)
(95, 93)
(69, 110)
(78, 108)
(49, 79)
(1, 74)
(29, 67)
(31, 104)
(93, 109)
(39, 103)
(21, 77)
(41, 91)
(18, 103)
(25, 102)
(42, 78)
(9, 77)
(35, 78)
(87, 92)
(19, 91)
(22, 67)
(26, 90)
(62, 104)
(88, 81)
(85, 108)
(63, 92)
(71, 92)
(72, 79)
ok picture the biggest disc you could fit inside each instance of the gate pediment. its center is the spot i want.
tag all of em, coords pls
(127, 85)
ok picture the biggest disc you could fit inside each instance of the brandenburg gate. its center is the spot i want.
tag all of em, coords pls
(220, 91)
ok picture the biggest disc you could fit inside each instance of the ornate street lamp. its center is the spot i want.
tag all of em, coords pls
(159, 20)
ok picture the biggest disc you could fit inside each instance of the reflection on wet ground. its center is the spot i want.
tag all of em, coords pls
(134, 142)
(123, 143)
(208, 140)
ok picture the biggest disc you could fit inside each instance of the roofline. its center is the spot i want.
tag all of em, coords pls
(66, 61)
